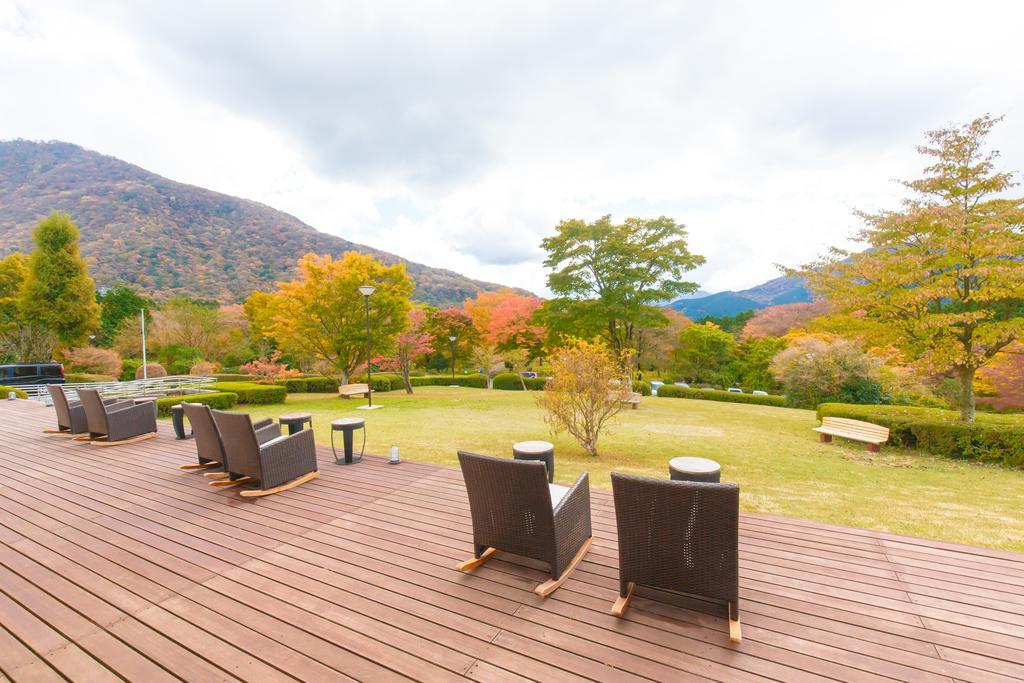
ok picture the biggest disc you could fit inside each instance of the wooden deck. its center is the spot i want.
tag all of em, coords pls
(116, 565)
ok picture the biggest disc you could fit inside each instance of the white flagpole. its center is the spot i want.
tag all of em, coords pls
(145, 370)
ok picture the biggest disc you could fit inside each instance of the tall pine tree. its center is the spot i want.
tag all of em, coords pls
(58, 293)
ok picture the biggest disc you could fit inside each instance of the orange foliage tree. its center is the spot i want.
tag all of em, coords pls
(505, 319)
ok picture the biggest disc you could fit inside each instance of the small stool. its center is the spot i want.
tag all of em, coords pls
(536, 450)
(295, 421)
(347, 426)
(694, 469)
(178, 420)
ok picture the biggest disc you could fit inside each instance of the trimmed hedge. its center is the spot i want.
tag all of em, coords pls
(81, 377)
(383, 381)
(644, 388)
(672, 391)
(509, 381)
(129, 366)
(254, 394)
(477, 381)
(990, 438)
(17, 392)
(220, 400)
(231, 377)
(313, 385)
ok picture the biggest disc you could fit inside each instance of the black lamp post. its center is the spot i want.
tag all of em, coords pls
(452, 340)
(366, 291)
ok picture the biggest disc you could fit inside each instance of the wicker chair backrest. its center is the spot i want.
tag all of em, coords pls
(204, 431)
(95, 413)
(510, 504)
(240, 445)
(60, 404)
(678, 535)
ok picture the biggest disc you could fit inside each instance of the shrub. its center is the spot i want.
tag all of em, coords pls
(380, 381)
(129, 366)
(231, 377)
(17, 392)
(82, 377)
(321, 385)
(220, 400)
(179, 358)
(990, 438)
(817, 370)
(152, 370)
(203, 369)
(508, 381)
(91, 360)
(672, 391)
(477, 381)
(271, 368)
(642, 387)
(254, 394)
(294, 385)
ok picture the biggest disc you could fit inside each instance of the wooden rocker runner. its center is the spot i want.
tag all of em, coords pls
(272, 465)
(116, 424)
(678, 536)
(534, 519)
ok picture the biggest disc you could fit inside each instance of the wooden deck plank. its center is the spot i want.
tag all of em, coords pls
(122, 562)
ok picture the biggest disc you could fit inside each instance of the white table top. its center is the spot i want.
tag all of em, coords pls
(532, 447)
(694, 465)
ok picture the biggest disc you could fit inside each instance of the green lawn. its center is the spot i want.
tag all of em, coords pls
(770, 452)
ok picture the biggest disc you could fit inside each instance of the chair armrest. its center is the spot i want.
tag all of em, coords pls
(287, 457)
(572, 522)
(267, 432)
(576, 498)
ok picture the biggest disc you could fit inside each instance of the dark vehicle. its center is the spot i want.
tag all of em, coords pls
(25, 374)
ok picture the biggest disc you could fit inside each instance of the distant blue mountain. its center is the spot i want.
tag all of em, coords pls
(781, 290)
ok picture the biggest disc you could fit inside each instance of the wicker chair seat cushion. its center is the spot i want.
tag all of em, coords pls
(557, 493)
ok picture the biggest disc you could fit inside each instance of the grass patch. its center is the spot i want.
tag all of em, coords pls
(770, 452)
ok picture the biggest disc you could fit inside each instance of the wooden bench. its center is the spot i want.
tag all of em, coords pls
(350, 390)
(630, 397)
(873, 435)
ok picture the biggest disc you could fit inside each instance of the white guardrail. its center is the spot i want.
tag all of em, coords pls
(175, 385)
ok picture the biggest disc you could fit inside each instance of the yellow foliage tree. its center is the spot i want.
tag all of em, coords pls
(322, 314)
(943, 276)
(579, 397)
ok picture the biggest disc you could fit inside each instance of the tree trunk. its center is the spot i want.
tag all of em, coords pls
(406, 381)
(967, 394)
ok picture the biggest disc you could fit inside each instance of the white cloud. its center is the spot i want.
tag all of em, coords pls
(458, 134)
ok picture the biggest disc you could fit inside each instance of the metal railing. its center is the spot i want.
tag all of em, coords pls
(175, 385)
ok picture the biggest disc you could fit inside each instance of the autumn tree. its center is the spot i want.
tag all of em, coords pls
(613, 277)
(776, 321)
(505, 320)
(322, 313)
(655, 345)
(944, 273)
(577, 398)
(816, 369)
(1005, 375)
(13, 273)
(702, 351)
(410, 344)
(451, 322)
(58, 293)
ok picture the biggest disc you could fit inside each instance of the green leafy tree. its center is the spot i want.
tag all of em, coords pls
(611, 277)
(117, 304)
(703, 351)
(13, 273)
(58, 293)
(943, 277)
(755, 360)
(440, 325)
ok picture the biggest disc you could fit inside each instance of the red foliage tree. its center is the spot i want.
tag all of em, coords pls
(410, 344)
(505, 319)
(776, 321)
(1006, 378)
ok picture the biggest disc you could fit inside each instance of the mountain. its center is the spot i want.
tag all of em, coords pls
(781, 290)
(166, 238)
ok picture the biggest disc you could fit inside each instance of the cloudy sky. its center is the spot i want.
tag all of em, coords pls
(459, 134)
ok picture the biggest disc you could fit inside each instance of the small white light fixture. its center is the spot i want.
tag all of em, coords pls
(393, 456)
(367, 290)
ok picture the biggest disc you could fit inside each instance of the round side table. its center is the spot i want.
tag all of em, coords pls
(536, 450)
(294, 421)
(347, 426)
(694, 469)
